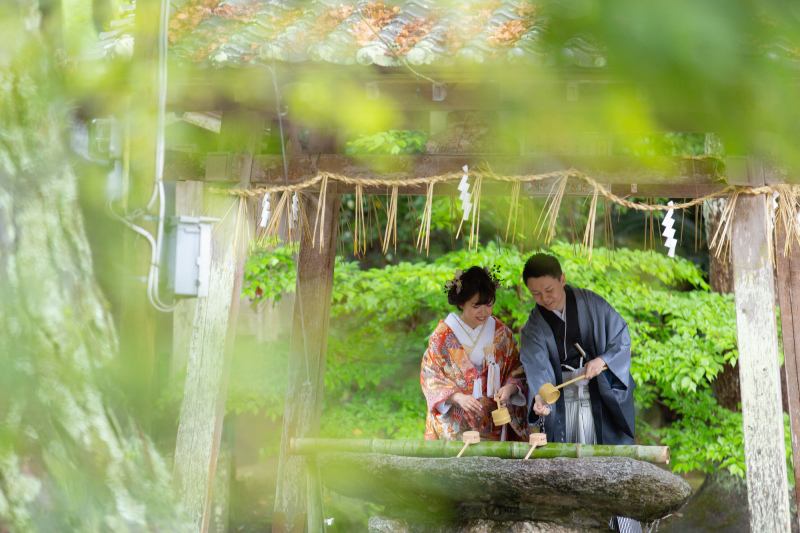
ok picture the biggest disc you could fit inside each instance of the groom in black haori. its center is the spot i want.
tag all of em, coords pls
(573, 332)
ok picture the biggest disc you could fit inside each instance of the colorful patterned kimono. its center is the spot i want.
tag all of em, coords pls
(447, 369)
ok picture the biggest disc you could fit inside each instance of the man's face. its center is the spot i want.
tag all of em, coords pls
(548, 292)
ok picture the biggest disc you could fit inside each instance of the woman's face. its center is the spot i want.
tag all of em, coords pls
(475, 315)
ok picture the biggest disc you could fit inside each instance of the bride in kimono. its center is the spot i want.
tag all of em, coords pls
(472, 366)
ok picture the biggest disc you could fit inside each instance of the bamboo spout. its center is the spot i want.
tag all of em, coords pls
(503, 450)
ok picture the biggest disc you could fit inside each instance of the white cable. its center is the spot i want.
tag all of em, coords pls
(158, 185)
(155, 268)
(154, 300)
(162, 98)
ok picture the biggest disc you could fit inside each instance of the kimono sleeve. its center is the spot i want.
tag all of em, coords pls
(617, 354)
(436, 385)
(535, 360)
(513, 373)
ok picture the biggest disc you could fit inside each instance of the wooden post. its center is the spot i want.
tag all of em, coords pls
(309, 341)
(762, 415)
(789, 301)
(203, 409)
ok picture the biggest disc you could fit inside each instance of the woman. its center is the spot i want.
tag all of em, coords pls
(472, 365)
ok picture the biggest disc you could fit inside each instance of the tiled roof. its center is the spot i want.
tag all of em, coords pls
(244, 33)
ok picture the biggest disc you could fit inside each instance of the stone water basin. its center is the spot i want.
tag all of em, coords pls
(488, 494)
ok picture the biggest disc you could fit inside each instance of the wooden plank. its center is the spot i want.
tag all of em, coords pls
(306, 371)
(788, 269)
(762, 415)
(202, 412)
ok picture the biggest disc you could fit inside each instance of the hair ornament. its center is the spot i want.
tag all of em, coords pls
(494, 275)
(455, 282)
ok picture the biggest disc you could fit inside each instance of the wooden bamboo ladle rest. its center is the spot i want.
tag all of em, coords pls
(550, 394)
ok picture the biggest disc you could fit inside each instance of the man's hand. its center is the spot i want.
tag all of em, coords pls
(467, 403)
(594, 367)
(540, 407)
(505, 394)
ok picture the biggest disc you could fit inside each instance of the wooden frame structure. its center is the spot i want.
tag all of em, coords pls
(298, 495)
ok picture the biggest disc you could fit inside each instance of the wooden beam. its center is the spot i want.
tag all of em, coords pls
(306, 372)
(788, 269)
(203, 409)
(673, 177)
(604, 169)
(762, 415)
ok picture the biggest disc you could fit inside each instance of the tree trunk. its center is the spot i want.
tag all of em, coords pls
(67, 463)
(726, 385)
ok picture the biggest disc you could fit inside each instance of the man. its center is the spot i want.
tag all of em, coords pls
(570, 332)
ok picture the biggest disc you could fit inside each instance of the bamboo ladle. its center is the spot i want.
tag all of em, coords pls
(536, 439)
(469, 437)
(550, 394)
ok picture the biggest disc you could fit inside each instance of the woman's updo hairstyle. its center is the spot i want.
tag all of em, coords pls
(476, 280)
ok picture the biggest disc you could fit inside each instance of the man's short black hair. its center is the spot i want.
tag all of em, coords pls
(539, 265)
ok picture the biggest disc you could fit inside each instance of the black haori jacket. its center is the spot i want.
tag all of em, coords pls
(603, 334)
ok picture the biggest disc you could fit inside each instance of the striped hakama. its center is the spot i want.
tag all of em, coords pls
(580, 429)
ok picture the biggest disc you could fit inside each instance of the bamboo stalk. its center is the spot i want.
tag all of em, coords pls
(503, 450)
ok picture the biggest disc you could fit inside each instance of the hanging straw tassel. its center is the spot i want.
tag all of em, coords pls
(788, 216)
(588, 235)
(360, 233)
(513, 210)
(319, 220)
(476, 211)
(425, 228)
(722, 238)
(391, 222)
(550, 216)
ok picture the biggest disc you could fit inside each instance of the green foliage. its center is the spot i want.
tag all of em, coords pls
(393, 142)
(682, 336)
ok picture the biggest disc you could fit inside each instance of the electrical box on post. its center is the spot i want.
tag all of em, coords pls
(189, 256)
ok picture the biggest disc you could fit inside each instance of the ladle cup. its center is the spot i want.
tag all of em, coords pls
(501, 416)
(469, 437)
(550, 394)
(536, 439)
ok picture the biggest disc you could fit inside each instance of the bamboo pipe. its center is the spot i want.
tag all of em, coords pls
(503, 450)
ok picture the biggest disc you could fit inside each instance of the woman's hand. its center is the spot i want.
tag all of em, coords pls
(540, 407)
(467, 403)
(504, 395)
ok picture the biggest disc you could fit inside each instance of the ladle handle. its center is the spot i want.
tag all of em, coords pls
(576, 379)
(462, 449)
(533, 447)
